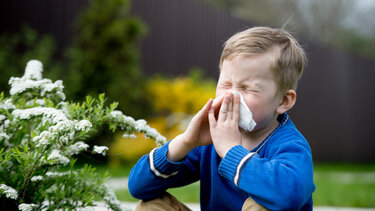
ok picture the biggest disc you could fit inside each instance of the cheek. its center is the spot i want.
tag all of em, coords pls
(219, 92)
(253, 106)
(257, 107)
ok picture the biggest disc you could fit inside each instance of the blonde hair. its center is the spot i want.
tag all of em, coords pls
(290, 56)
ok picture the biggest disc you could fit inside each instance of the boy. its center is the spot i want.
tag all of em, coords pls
(269, 167)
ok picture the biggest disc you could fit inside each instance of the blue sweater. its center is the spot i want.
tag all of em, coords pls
(278, 173)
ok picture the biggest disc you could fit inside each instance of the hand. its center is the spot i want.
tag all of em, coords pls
(224, 130)
(197, 133)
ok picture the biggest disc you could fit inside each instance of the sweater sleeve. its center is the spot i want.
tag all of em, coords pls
(284, 181)
(154, 173)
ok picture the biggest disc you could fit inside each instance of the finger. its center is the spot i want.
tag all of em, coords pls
(224, 109)
(236, 108)
(217, 102)
(211, 118)
(204, 111)
(207, 106)
(230, 109)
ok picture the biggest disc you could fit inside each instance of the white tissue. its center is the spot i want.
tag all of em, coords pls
(246, 120)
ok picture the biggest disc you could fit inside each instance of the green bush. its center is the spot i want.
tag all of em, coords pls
(40, 133)
(104, 55)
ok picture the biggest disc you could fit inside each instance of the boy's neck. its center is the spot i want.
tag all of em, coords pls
(253, 139)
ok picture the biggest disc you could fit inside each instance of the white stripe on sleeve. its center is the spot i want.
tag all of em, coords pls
(153, 169)
(243, 160)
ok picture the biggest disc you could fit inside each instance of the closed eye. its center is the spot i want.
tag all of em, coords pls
(249, 89)
(226, 85)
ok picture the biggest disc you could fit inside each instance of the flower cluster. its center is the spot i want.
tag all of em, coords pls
(130, 125)
(36, 178)
(76, 148)
(63, 132)
(56, 157)
(110, 198)
(26, 207)
(7, 105)
(40, 133)
(57, 174)
(100, 149)
(9, 192)
(40, 102)
(32, 81)
(49, 114)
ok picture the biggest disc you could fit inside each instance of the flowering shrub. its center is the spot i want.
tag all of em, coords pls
(127, 150)
(39, 135)
(188, 94)
(178, 100)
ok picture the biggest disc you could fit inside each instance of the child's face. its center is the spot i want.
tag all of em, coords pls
(252, 77)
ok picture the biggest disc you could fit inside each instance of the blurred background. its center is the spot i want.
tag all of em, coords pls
(159, 60)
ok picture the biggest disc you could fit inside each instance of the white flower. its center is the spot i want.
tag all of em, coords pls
(49, 87)
(57, 174)
(36, 178)
(125, 135)
(33, 70)
(42, 139)
(83, 125)
(129, 124)
(64, 128)
(4, 136)
(9, 192)
(160, 140)
(125, 122)
(56, 157)
(26, 207)
(6, 123)
(64, 108)
(51, 174)
(36, 102)
(32, 79)
(110, 198)
(141, 124)
(62, 132)
(50, 113)
(44, 86)
(152, 132)
(100, 149)
(116, 114)
(7, 105)
(76, 148)
(2, 117)
(42, 142)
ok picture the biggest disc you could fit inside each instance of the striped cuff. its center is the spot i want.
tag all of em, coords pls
(230, 167)
(160, 165)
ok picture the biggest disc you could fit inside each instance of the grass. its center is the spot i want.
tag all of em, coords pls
(343, 185)
(349, 185)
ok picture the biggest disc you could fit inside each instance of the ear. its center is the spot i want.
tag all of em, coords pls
(287, 101)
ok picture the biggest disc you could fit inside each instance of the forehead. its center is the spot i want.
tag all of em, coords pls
(247, 67)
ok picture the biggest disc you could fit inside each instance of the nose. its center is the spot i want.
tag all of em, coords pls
(234, 90)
